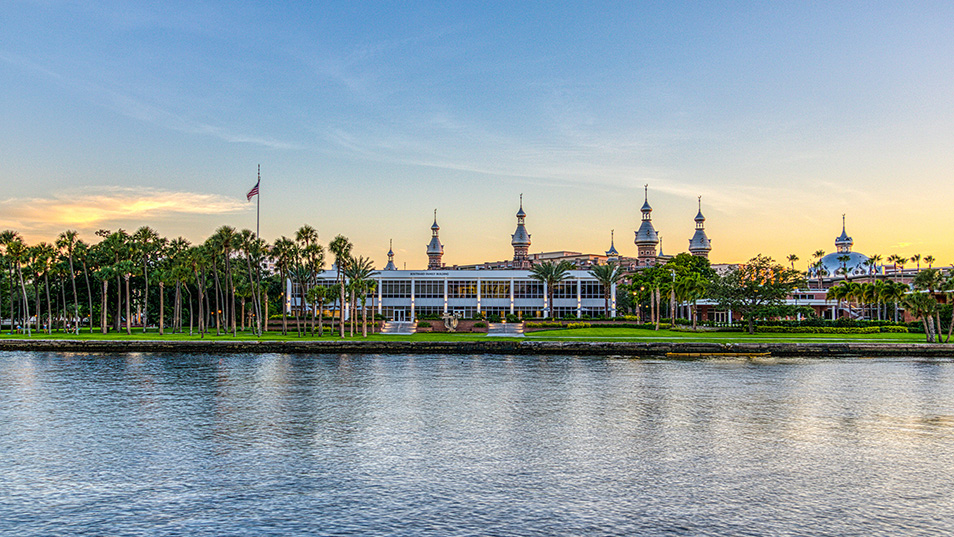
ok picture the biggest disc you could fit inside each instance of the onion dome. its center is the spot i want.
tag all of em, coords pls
(434, 248)
(646, 234)
(520, 237)
(699, 244)
(612, 250)
(843, 242)
(390, 265)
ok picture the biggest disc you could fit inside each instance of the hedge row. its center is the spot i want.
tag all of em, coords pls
(555, 324)
(831, 330)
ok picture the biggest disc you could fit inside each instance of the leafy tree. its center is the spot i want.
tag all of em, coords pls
(756, 288)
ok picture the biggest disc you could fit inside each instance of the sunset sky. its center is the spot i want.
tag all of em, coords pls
(365, 117)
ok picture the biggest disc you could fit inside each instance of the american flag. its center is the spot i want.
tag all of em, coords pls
(253, 191)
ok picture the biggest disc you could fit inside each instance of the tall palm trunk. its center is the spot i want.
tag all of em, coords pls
(658, 306)
(89, 297)
(102, 309)
(49, 314)
(162, 306)
(26, 302)
(128, 307)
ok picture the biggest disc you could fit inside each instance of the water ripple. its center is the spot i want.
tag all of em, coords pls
(201, 445)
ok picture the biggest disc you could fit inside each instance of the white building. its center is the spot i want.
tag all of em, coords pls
(407, 294)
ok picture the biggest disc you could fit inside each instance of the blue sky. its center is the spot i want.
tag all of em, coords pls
(366, 117)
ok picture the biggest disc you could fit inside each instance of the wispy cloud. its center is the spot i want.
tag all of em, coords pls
(91, 208)
(138, 109)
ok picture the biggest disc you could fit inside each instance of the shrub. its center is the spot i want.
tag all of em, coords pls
(494, 318)
(480, 325)
(423, 324)
(894, 330)
(819, 329)
(512, 318)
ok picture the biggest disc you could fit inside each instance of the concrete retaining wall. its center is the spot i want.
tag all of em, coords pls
(681, 350)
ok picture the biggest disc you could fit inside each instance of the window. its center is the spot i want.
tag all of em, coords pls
(495, 289)
(564, 290)
(429, 289)
(462, 289)
(395, 289)
(591, 290)
(527, 290)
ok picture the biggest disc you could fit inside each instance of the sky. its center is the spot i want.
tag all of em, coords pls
(367, 116)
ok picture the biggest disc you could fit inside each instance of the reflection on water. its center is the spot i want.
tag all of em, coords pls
(445, 445)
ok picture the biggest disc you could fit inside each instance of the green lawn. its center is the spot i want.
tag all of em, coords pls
(579, 334)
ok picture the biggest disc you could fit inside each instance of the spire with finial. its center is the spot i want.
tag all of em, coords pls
(843, 243)
(435, 250)
(390, 265)
(646, 236)
(699, 244)
(612, 254)
(520, 240)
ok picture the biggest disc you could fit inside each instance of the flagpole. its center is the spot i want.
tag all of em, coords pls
(258, 203)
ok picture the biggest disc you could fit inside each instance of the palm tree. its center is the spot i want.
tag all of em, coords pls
(929, 259)
(844, 259)
(82, 253)
(67, 241)
(144, 244)
(792, 258)
(917, 259)
(19, 254)
(931, 280)
(837, 293)
(693, 286)
(894, 292)
(317, 296)
(359, 274)
(607, 275)
(922, 306)
(6, 237)
(875, 261)
(550, 275)
(341, 248)
(879, 294)
(283, 253)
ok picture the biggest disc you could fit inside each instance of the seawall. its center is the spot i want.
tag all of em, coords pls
(674, 350)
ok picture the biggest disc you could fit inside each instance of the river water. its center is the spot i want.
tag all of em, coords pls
(149, 444)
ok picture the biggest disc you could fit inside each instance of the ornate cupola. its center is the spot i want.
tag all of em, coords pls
(646, 237)
(699, 244)
(390, 265)
(435, 250)
(612, 255)
(843, 242)
(521, 241)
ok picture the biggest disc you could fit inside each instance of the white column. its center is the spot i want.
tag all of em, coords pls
(478, 295)
(546, 305)
(511, 296)
(445, 295)
(412, 301)
(579, 298)
(613, 300)
(380, 305)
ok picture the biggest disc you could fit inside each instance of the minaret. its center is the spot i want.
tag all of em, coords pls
(699, 244)
(612, 255)
(843, 242)
(521, 241)
(435, 250)
(646, 237)
(390, 265)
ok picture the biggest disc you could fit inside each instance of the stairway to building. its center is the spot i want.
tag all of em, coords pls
(404, 328)
(505, 329)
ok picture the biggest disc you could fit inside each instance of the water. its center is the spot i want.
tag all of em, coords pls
(144, 444)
